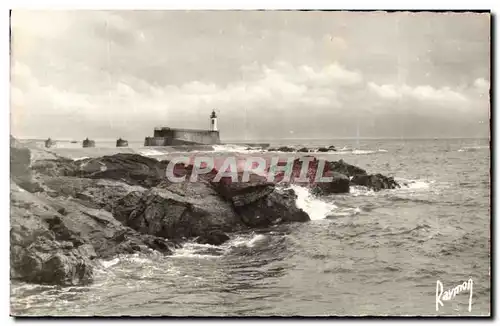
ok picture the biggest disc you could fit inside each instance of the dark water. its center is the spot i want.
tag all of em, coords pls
(364, 253)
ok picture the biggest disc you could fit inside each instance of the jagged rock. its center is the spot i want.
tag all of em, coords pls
(50, 262)
(303, 150)
(375, 181)
(20, 171)
(38, 254)
(339, 184)
(295, 176)
(278, 207)
(180, 210)
(341, 173)
(92, 193)
(242, 193)
(133, 169)
(282, 149)
(347, 169)
(327, 149)
(101, 207)
(54, 239)
(20, 160)
(215, 238)
(55, 167)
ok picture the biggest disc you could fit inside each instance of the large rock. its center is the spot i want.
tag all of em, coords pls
(343, 175)
(259, 202)
(191, 209)
(345, 168)
(242, 193)
(93, 193)
(36, 253)
(86, 207)
(20, 160)
(102, 207)
(375, 181)
(277, 207)
(214, 238)
(56, 235)
(339, 184)
(20, 170)
(132, 169)
(177, 211)
(282, 149)
(50, 262)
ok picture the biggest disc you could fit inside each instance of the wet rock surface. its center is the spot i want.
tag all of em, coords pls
(376, 182)
(215, 238)
(65, 214)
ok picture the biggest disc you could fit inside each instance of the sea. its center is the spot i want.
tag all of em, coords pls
(364, 253)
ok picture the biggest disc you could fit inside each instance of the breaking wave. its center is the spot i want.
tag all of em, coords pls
(80, 158)
(315, 207)
(234, 148)
(414, 184)
(151, 152)
(242, 242)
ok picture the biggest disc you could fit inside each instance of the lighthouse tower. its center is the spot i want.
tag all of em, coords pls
(213, 121)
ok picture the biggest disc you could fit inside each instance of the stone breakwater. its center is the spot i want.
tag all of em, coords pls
(66, 214)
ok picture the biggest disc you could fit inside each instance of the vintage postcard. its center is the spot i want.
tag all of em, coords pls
(249, 163)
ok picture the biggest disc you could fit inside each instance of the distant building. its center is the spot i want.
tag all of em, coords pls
(88, 143)
(49, 143)
(165, 136)
(213, 121)
(121, 143)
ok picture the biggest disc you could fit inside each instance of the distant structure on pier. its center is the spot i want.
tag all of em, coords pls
(121, 143)
(88, 143)
(49, 143)
(165, 136)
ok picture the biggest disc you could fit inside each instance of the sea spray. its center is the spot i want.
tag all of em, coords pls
(315, 207)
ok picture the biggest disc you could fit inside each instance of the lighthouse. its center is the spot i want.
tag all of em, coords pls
(213, 121)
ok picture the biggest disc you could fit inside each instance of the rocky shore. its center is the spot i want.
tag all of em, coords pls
(287, 149)
(66, 214)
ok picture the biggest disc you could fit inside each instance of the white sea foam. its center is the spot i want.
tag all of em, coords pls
(195, 250)
(361, 191)
(136, 258)
(346, 211)
(234, 148)
(316, 208)
(80, 158)
(109, 263)
(361, 152)
(151, 152)
(259, 238)
(248, 242)
(364, 152)
(415, 184)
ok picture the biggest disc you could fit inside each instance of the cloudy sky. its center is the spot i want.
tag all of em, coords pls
(268, 74)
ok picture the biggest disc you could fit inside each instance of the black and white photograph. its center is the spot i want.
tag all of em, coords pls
(250, 163)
